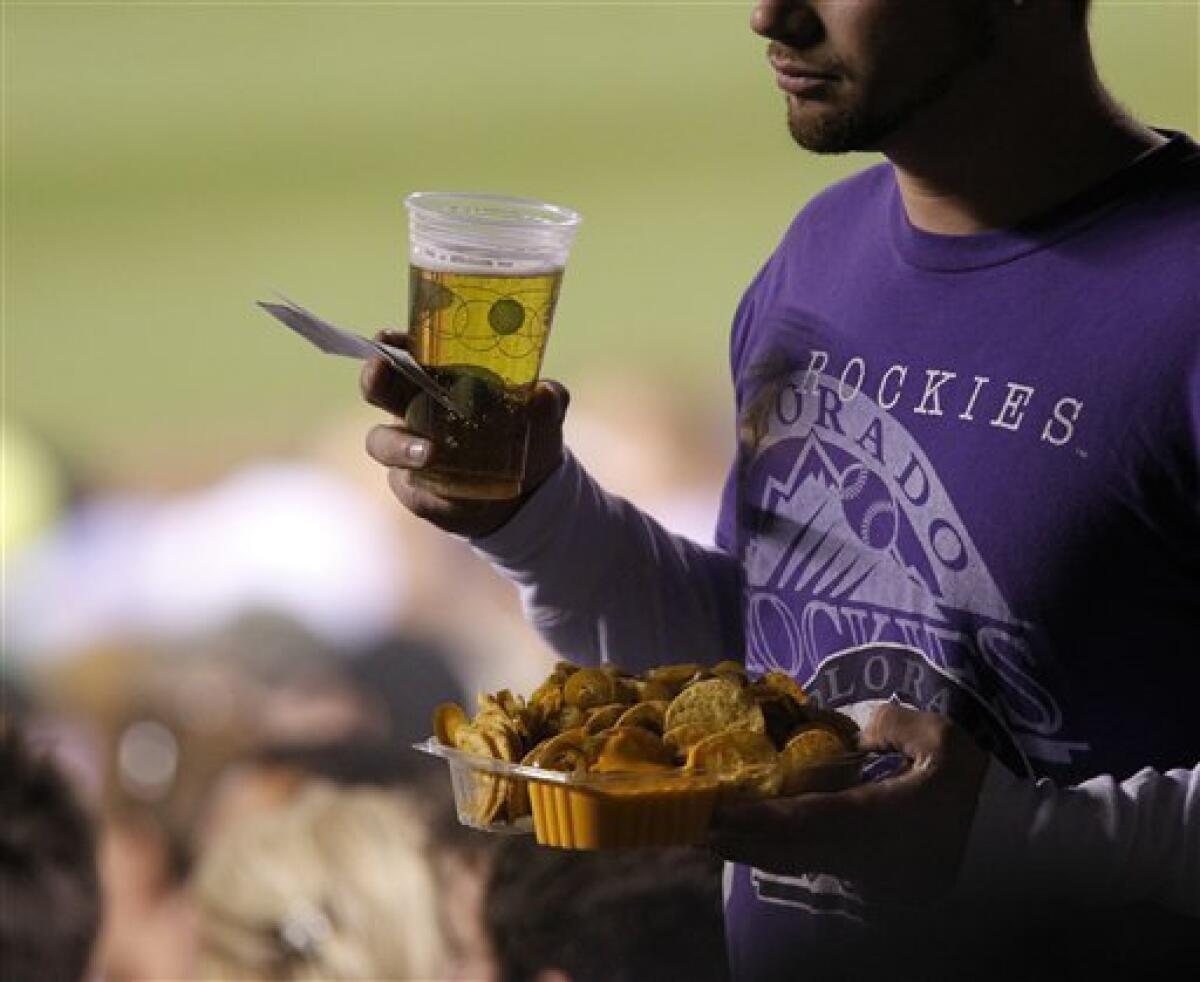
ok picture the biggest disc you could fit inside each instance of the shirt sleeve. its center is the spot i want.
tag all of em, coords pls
(1102, 841)
(603, 582)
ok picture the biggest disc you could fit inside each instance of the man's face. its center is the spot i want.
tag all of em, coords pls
(855, 72)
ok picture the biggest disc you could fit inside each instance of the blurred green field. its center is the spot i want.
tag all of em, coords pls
(167, 164)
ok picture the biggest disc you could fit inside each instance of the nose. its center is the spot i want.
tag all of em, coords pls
(793, 22)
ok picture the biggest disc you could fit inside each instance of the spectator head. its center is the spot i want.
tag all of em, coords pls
(612, 916)
(335, 885)
(271, 776)
(402, 678)
(49, 889)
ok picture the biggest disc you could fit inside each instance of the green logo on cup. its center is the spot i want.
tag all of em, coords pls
(506, 316)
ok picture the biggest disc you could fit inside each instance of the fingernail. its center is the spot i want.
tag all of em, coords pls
(417, 451)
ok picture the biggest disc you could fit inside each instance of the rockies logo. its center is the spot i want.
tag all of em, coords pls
(868, 506)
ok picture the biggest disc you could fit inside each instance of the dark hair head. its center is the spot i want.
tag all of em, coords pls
(50, 911)
(611, 916)
(353, 762)
(405, 677)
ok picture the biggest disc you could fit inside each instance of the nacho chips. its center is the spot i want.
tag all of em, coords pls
(756, 735)
(715, 704)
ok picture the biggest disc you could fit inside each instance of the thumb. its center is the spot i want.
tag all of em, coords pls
(893, 727)
(934, 743)
(395, 337)
(547, 409)
(549, 402)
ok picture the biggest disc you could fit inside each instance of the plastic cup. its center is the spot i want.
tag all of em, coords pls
(484, 279)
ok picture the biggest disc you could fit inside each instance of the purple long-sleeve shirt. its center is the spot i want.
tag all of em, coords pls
(968, 479)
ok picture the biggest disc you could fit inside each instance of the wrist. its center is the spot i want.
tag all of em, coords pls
(538, 499)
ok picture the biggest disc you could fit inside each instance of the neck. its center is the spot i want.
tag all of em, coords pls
(1023, 139)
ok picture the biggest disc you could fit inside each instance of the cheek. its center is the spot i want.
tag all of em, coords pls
(886, 43)
(858, 31)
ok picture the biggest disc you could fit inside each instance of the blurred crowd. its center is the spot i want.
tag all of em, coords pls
(210, 695)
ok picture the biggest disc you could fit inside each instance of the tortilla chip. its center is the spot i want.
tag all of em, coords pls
(813, 744)
(785, 684)
(588, 688)
(681, 739)
(741, 759)
(731, 671)
(816, 759)
(632, 748)
(447, 718)
(503, 733)
(840, 723)
(648, 715)
(567, 718)
(548, 697)
(603, 717)
(715, 704)
(563, 752)
(674, 675)
(627, 691)
(489, 790)
(655, 690)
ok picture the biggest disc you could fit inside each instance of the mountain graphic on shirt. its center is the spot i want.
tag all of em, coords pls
(849, 537)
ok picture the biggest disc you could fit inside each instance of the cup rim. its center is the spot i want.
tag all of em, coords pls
(426, 202)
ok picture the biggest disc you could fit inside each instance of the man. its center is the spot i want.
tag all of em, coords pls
(967, 489)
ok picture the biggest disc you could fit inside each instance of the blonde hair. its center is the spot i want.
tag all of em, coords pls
(336, 885)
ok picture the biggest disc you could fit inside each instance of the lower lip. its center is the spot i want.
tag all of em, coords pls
(803, 85)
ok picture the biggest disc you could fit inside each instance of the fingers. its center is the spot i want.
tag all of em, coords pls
(549, 402)
(885, 838)
(382, 385)
(547, 410)
(902, 837)
(895, 727)
(458, 516)
(740, 829)
(394, 337)
(404, 452)
(394, 446)
(822, 832)
(420, 501)
(924, 737)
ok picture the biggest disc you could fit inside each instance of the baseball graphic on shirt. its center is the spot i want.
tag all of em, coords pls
(868, 505)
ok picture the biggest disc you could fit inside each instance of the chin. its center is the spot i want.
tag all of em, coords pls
(824, 135)
(825, 130)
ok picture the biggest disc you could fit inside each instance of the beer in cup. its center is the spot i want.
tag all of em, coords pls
(484, 277)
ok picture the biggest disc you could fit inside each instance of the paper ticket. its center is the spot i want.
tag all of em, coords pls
(336, 341)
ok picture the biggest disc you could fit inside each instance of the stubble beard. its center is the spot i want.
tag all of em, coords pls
(864, 127)
(858, 127)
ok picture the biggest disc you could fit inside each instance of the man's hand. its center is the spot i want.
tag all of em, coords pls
(900, 839)
(402, 451)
